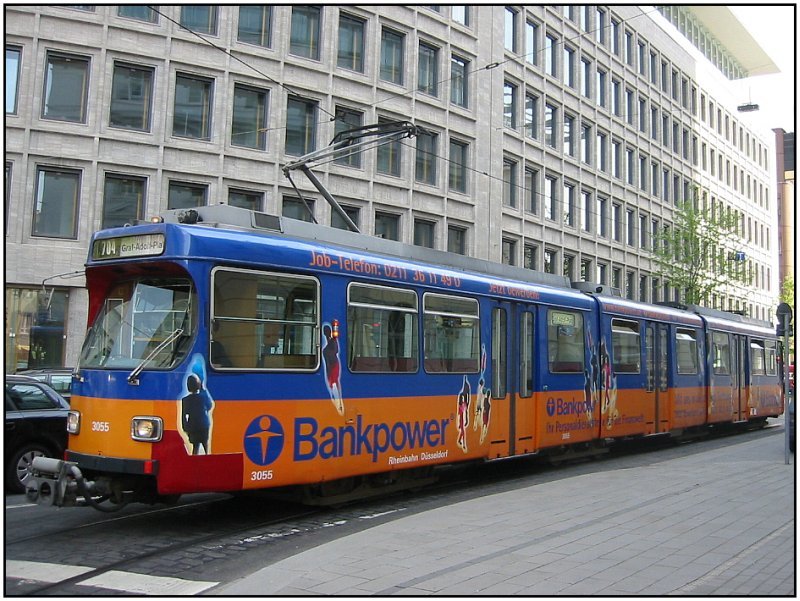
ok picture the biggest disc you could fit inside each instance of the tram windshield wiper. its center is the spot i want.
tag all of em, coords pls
(133, 377)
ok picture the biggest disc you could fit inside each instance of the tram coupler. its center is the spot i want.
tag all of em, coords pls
(54, 482)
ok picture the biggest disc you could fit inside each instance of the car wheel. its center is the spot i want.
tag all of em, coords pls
(18, 470)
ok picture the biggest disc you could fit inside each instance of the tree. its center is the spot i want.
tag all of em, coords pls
(787, 291)
(697, 254)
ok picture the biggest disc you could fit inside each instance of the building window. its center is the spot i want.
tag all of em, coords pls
(586, 148)
(339, 223)
(586, 210)
(255, 25)
(65, 88)
(569, 67)
(550, 260)
(35, 338)
(298, 208)
(568, 268)
(510, 183)
(140, 13)
(55, 214)
(616, 222)
(531, 42)
(568, 204)
(245, 199)
(531, 116)
(509, 252)
(550, 65)
(532, 191)
(13, 56)
(389, 156)
(511, 29)
(183, 195)
(424, 232)
(131, 97)
(459, 92)
(550, 197)
(510, 105)
(602, 151)
(428, 70)
(458, 166)
(392, 56)
(249, 127)
(460, 14)
(123, 200)
(456, 240)
(301, 126)
(550, 113)
(586, 78)
(425, 170)
(305, 31)
(601, 88)
(569, 135)
(602, 273)
(199, 18)
(387, 226)
(530, 256)
(602, 216)
(348, 119)
(351, 43)
(192, 117)
(630, 221)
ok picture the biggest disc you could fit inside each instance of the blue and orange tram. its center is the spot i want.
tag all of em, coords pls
(231, 350)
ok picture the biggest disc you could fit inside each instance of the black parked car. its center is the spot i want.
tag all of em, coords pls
(36, 424)
(59, 379)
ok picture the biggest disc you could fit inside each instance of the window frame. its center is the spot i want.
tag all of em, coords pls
(352, 321)
(41, 172)
(50, 57)
(628, 328)
(452, 301)
(576, 367)
(146, 105)
(315, 325)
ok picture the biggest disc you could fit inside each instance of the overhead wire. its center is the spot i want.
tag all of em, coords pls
(558, 203)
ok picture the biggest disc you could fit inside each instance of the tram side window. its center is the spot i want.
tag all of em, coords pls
(771, 357)
(627, 345)
(452, 334)
(720, 347)
(686, 347)
(264, 321)
(757, 363)
(565, 342)
(382, 329)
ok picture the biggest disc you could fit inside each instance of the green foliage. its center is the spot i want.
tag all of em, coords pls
(787, 291)
(697, 254)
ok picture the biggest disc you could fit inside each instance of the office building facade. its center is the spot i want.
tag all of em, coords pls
(558, 138)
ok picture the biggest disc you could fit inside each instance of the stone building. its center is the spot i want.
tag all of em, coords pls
(558, 138)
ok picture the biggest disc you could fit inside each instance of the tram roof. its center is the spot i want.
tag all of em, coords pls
(226, 217)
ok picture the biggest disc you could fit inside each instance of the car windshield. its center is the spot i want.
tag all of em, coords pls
(144, 323)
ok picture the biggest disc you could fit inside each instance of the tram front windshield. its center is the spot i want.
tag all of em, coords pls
(146, 323)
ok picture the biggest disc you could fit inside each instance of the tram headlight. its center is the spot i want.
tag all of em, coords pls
(74, 422)
(146, 428)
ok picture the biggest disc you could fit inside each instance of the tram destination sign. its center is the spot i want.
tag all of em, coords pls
(143, 245)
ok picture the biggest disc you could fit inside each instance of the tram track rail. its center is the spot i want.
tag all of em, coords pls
(206, 539)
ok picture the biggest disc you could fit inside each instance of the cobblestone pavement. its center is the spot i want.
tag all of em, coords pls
(717, 522)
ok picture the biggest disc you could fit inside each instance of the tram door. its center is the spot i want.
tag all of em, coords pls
(512, 367)
(657, 360)
(739, 378)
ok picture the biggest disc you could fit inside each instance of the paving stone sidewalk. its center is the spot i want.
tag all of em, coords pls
(718, 522)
